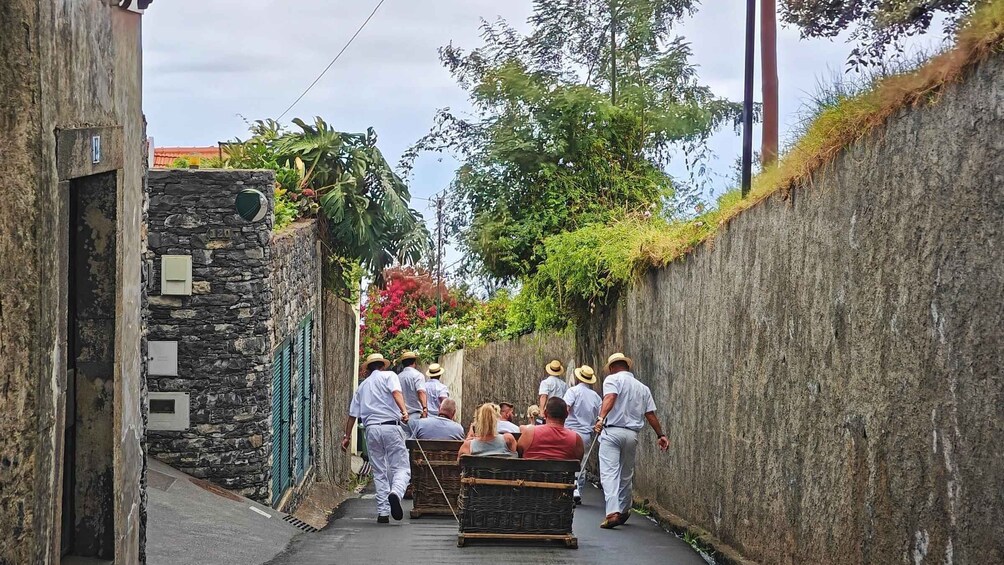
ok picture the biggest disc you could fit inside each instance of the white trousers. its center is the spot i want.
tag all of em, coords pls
(617, 450)
(389, 459)
(580, 482)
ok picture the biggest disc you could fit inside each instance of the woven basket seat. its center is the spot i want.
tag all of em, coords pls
(427, 498)
(516, 499)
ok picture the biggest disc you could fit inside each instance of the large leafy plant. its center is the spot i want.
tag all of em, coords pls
(345, 180)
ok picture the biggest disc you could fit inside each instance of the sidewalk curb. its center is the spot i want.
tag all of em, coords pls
(724, 553)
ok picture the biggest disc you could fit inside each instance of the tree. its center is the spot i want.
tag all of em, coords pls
(875, 25)
(573, 124)
(345, 179)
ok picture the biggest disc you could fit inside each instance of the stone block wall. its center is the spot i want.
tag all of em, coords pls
(295, 280)
(223, 329)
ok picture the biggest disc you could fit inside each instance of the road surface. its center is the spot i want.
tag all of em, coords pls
(354, 537)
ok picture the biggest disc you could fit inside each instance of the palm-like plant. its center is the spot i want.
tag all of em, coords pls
(364, 204)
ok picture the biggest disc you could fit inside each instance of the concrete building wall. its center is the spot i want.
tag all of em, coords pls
(222, 330)
(338, 378)
(453, 377)
(511, 370)
(69, 70)
(829, 370)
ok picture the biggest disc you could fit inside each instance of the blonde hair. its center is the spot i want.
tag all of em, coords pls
(532, 412)
(486, 420)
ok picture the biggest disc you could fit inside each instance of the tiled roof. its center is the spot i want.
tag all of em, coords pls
(165, 156)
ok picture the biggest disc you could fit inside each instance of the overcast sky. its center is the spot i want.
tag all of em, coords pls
(209, 63)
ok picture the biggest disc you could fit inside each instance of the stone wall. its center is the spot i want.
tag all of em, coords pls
(223, 329)
(830, 368)
(339, 376)
(64, 64)
(295, 280)
(511, 370)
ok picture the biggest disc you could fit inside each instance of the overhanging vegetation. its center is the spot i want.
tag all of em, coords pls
(592, 265)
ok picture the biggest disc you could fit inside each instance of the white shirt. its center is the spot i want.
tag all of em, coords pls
(507, 427)
(634, 400)
(438, 427)
(373, 402)
(412, 381)
(583, 405)
(552, 386)
(435, 392)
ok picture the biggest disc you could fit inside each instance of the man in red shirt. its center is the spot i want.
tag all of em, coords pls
(551, 440)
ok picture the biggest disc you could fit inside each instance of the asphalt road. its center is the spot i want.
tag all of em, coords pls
(354, 538)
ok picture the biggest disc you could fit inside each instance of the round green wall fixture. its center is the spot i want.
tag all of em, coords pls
(251, 204)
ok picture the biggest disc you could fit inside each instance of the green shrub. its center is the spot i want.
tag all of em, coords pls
(285, 211)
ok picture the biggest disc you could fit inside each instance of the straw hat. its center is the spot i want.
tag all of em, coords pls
(435, 371)
(585, 374)
(619, 357)
(555, 368)
(377, 358)
(408, 355)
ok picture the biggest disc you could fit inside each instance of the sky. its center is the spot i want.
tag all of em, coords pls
(209, 66)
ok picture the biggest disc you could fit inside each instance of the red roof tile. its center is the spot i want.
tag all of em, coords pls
(165, 156)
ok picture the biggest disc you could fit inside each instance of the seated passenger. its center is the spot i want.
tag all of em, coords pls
(485, 439)
(551, 440)
(533, 416)
(506, 414)
(442, 425)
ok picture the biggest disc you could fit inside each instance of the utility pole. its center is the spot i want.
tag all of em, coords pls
(768, 81)
(439, 256)
(747, 163)
(613, 52)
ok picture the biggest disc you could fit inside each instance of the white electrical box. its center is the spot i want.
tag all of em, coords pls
(163, 358)
(176, 275)
(169, 411)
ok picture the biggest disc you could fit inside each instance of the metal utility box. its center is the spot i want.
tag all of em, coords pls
(176, 275)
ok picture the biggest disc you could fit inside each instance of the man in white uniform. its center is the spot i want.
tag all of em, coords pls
(583, 408)
(553, 384)
(413, 389)
(441, 426)
(627, 405)
(435, 391)
(378, 402)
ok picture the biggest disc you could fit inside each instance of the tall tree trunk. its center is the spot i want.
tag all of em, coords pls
(768, 82)
(613, 53)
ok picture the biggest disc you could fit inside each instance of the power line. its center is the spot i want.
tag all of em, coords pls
(351, 39)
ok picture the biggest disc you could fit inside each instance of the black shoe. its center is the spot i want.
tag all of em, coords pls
(383, 519)
(578, 500)
(395, 506)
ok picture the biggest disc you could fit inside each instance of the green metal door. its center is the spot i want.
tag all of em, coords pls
(304, 344)
(305, 429)
(281, 464)
(298, 403)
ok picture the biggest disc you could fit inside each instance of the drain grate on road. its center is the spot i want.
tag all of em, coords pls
(300, 524)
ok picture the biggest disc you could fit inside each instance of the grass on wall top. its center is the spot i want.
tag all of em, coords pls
(590, 266)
